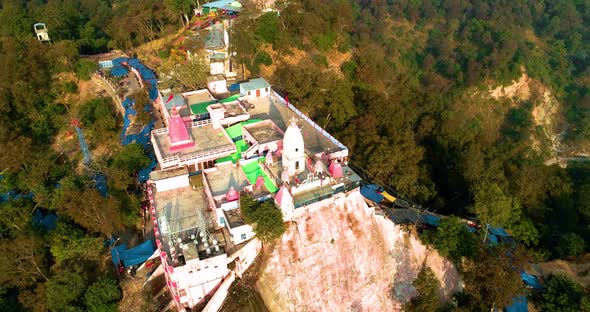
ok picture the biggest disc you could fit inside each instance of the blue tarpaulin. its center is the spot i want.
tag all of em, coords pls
(133, 256)
(492, 239)
(119, 71)
(530, 280)
(431, 220)
(12, 195)
(370, 192)
(234, 87)
(100, 182)
(47, 221)
(519, 304)
(498, 231)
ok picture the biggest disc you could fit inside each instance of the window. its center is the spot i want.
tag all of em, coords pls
(222, 221)
(296, 150)
(266, 89)
(296, 165)
(249, 92)
(244, 236)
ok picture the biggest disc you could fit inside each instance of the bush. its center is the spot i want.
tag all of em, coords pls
(320, 59)
(164, 54)
(262, 58)
(70, 87)
(325, 42)
(85, 68)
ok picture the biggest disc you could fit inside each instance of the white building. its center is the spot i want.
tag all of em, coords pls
(254, 88)
(41, 32)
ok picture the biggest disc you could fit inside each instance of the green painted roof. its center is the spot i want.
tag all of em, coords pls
(236, 130)
(201, 108)
(230, 99)
(241, 146)
(252, 171)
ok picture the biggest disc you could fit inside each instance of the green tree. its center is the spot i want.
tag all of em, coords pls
(564, 295)
(131, 158)
(266, 219)
(493, 279)
(427, 287)
(70, 244)
(266, 27)
(453, 240)
(24, 260)
(571, 244)
(493, 207)
(102, 295)
(64, 291)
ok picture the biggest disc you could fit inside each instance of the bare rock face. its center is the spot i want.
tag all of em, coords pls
(340, 256)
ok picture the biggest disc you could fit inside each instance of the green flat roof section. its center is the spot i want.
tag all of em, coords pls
(241, 146)
(252, 171)
(236, 130)
(201, 108)
(230, 99)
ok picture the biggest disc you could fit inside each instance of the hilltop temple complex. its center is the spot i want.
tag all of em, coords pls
(210, 153)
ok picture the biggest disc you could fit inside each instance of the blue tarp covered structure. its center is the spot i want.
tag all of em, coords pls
(133, 256)
(119, 71)
(370, 192)
(519, 304)
(431, 220)
(13, 195)
(530, 280)
(47, 221)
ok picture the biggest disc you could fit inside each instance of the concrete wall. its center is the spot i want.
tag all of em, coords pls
(252, 95)
(198, 278)
(238, 231)
(219, 297)
(172, 183)
(246, 255)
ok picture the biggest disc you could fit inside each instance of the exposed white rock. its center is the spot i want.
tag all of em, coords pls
(340, 256)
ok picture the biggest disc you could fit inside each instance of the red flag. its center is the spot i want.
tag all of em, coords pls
(170, 98)
(287, 100)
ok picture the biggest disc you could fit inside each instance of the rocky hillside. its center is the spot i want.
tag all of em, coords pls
(341, 257)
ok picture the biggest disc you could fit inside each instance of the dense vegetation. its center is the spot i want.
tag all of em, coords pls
(68, 268)
(406, 100)
(411, 85)
(404, 85)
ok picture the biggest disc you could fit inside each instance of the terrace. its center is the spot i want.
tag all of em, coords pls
(210, 144)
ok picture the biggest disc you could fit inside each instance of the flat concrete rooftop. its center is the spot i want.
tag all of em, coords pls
(164, 174)
(264, 131)
(225, 177)
(197, 97)
(178, 209)
(315, 141)
(205, 136)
